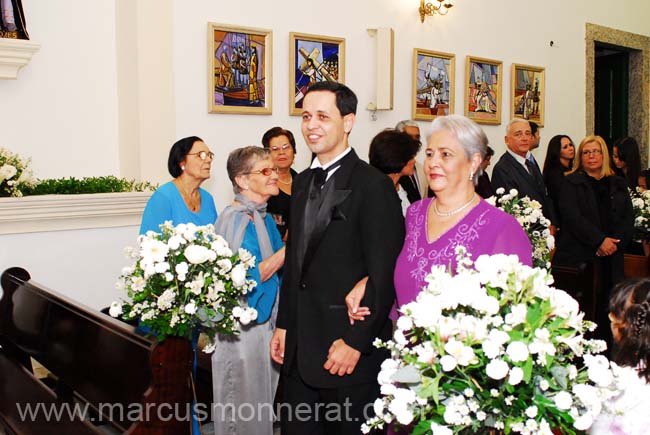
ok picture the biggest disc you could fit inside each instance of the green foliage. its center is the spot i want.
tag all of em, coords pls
(72, 185)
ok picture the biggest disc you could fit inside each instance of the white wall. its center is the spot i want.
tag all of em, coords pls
(83, 264)
(74, 114)
(506, 30)
(62, 110)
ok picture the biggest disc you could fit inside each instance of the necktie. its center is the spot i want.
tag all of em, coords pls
(320, 174)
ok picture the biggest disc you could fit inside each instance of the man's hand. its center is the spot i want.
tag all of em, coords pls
(341, 359)
(353, 299)
(277, 345)
(608, 247)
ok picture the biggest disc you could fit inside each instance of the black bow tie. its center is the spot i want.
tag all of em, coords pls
(320, 174)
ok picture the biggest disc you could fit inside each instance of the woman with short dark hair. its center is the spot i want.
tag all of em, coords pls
(559, 160)
(282, 146)
(182, 200)
(393, 153)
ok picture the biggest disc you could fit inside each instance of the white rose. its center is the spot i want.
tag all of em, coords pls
(175, 242)
(220, 246)
(190, 308)
(517, 351)
(404, 323)
(448, 363)
(225, 265)
(531, 411)
(238, 276)
(583, 422)
(115, 309)
(563, 400)
(500, 191)
(181, 268)
(197, 254)
(516, 376)
(497, 369)
(440, 430)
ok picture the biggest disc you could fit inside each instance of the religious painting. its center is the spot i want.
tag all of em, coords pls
(12, 20)
(313, 58)
(433, 84)
(239, 63)
(527, 93)
(483, 82)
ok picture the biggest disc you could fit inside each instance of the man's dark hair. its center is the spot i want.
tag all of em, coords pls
(489, 152)
(533, 127)
(178, 152)
(391, 150)
(346, 100)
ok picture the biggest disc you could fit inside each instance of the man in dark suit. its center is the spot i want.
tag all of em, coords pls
(348, 225)
(517, 168)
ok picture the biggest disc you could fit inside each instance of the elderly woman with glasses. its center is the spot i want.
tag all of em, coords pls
(597, 221)
(242, 371)
(182, 200)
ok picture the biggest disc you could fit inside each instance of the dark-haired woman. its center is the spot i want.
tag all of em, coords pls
(629, 314)
(626, 158)
(182, 200)
(559, 160)
(393, 153)
(282, 145)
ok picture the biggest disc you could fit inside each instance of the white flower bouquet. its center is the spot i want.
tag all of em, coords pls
(528, 213)
(492, 348)
(14, 174)
(186, 277)
(641, 205)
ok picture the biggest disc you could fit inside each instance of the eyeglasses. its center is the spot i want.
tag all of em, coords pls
(266, 171)
(284, 147)
(597, 152)
(203, 154)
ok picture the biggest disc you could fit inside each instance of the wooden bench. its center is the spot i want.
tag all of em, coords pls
(109, 378)
(636, 266)
(580, 282)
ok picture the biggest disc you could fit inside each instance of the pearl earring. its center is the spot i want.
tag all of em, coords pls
(471, 176)
(182, 168)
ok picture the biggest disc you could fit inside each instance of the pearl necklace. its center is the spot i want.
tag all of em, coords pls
(453, 212)
(286, 182)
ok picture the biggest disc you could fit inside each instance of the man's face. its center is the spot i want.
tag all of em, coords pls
(536, 140)
(414, 132)
(519, 138)
(324, 129)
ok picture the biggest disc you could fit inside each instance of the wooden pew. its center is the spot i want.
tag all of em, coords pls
(580, 282)
(121, 381)
(636, 266)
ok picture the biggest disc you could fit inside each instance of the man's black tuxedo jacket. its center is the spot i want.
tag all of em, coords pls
(510, 174)
(359, 231)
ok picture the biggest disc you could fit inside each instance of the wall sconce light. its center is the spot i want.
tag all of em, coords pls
(430, 9)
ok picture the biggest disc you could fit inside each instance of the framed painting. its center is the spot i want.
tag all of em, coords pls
(433, 84)
(313, 58)
(239, 69)
(527, 86)
(483, 82)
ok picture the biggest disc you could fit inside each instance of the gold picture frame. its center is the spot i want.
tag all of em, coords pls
(433, 84)
(527, 93)
(239, 69)
(483, 83)
(313, 58)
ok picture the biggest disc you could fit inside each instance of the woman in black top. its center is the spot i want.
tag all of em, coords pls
(626, 158)
(559, 160)
(282, 145)
(597, 221)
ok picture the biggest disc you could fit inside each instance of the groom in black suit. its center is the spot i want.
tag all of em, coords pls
(346, 224)
(517, 169)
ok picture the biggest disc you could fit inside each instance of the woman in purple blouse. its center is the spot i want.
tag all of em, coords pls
(456, 216)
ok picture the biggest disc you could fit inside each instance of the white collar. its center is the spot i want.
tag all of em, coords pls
(316, 163)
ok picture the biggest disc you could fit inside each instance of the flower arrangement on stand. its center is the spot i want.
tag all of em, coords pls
(15, 174)
(528, 213)
(641, 206)
(186, 277)
(492, 348)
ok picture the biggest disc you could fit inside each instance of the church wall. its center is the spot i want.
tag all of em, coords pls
(81, 107)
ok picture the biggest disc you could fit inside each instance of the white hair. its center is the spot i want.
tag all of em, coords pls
(470, 136)
(514, 121)
(401, 126)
